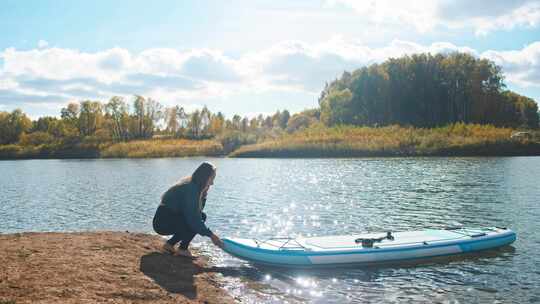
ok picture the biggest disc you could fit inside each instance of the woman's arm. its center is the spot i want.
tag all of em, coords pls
(217, 241)
(193, 216)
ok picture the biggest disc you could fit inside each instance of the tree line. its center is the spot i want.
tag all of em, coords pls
(426, 90)
(118, 120)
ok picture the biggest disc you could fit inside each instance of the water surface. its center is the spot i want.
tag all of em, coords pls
(308, 197)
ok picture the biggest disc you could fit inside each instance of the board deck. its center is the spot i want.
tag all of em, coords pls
(343, 249)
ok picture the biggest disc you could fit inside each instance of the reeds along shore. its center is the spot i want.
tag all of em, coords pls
(163, 148)
(347, 141)
(151, 148)
(316, 141)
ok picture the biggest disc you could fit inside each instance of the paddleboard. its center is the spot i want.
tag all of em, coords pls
(367, 248)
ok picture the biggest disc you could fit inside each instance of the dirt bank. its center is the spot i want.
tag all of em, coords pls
(104, 267)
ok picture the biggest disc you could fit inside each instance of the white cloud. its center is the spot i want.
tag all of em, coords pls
(292, 68)
(116, 71)
(425, 15)
(61, 64)
(113, 64)
(210, 65)
(525, 16)
(42, 44)
(301, 66)
(419, 13)
(521, 67)
(160, 60)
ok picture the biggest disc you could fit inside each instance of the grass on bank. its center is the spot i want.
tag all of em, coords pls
(350, 141)
(162, 148)
(316, 141)
(131, 149)
(50, 150)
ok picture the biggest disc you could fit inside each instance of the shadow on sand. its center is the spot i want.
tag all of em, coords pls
(177, 274)
(174, 274)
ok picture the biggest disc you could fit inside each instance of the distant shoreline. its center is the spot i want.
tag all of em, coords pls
(397, 141)
(315, 142)
(494, 150)
(313, 152)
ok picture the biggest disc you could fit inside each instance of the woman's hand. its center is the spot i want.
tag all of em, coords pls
(217, 241)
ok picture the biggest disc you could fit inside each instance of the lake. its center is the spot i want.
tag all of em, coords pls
(263, 198)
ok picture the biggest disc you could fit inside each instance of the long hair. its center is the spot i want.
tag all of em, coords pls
(202, 174)
(200, 178)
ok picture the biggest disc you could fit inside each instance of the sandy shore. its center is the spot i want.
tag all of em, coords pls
(101, 267)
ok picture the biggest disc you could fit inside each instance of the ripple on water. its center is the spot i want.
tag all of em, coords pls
(269, 197)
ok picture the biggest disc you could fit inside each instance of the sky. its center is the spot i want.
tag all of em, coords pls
(242, 57)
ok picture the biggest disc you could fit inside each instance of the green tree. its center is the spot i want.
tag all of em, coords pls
(194, 125)
(70, 115)
(154, 113)
(139, 115)
(43, 124)
(147, 112)
(424, 90)
(244, 124)
(90, 117)
(268, 123)
(236, 122)
(206, 118)
(13, 125)
(284, 119)
(183, 121)
(171, 120)
(298, 122)
(217, 124)
(36, 138)
(336, 107)
(117, 111)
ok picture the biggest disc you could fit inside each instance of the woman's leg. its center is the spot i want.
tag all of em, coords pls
(166, 223)
(188, 235)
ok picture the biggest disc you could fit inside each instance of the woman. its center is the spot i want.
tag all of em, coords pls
(180, 212)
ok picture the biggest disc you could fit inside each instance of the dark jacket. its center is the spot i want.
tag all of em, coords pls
(183, 199)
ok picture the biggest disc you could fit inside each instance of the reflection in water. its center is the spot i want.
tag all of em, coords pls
(343, 283)
(261, 198)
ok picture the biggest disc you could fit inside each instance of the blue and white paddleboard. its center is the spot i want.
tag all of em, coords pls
(367, 248)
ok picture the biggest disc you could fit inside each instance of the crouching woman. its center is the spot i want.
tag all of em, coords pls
(180, 212)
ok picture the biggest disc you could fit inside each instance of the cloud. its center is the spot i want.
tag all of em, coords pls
(42, 44)
(307, 67)
(291, 68)
(425, 15)
(525, 16)
(138, 83)
(114, 59)
(420, 13)
(464, 9)
(116, 71)
(210, 66)
(521, 67)
(113, 64)
(15, 98)
(171, 82)
(58, 63)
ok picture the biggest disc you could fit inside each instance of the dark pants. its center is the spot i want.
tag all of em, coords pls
(167, 222)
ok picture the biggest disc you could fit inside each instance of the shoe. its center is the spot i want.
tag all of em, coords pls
(168, 248)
